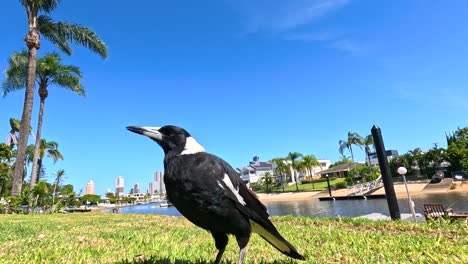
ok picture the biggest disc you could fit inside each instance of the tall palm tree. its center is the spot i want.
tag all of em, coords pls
(282, 168)
(61, 34)
(353, 139)
(51, 149)
(308, 162)
(59, 175)
(368, 142)
(49, 71)
(293, 156)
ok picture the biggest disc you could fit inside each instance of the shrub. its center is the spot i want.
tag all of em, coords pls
(341, 184)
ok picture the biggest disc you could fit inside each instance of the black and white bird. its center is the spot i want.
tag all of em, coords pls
(208, 192)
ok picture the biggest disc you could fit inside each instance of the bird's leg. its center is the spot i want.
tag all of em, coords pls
(242, 241)
(220, 254)
(221, 241)
(242, 254)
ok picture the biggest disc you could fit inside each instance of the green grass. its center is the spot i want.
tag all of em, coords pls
(119, 238)
(308, 187)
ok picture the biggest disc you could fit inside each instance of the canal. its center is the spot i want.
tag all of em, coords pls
(345, 208)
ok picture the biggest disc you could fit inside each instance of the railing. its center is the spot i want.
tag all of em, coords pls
(362, 188)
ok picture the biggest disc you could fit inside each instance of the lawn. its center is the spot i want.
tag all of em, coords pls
(120, 238)
(307, 187)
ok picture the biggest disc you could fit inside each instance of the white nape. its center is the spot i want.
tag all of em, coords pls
(192, 147)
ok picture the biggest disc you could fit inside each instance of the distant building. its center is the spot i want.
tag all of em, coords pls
(90, 187)
(157, 184)
(136, 188)
(119, 185)
(340, 171)
(314, 172)
(255, 170)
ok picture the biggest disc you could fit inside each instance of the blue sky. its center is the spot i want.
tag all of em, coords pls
(249, 77)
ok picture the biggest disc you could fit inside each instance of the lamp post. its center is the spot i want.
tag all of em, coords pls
(402, 171)
(328, 184)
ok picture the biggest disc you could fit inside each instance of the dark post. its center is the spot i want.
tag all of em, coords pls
(328, 183)
(386, 174)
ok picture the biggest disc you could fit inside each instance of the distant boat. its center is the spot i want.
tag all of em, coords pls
(164, 204)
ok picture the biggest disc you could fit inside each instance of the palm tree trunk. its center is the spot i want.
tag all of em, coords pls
(38, 139)
(352, 156)
(295, 177)
(33, 44)
(39, 168)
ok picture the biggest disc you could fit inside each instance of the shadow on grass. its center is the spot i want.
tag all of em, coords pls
(155, 260)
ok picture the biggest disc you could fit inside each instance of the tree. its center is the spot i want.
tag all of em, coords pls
(51, 149)
(49, 71)
(293, 156)
(59, 175)
(367, 143)
(268, 180)
(282, 168)
(61, 34)
(41, 192)
(353, 139)
(91, 199)
(308, 162)
(457, 150)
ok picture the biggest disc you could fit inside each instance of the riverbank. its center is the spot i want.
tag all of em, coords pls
(122, 239)
(400, 191)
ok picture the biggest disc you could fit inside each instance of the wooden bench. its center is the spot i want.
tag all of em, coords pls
(435, 211)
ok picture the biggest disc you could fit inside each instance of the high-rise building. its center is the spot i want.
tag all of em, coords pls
(136, 188)
(157, 184)
(119, 185)
(90, 187)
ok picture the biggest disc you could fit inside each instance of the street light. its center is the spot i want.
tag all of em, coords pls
(402, 171)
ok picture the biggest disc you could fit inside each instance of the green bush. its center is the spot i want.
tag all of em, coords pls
(341, 184)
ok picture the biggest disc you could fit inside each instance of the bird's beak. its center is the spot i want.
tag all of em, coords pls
(151, 132)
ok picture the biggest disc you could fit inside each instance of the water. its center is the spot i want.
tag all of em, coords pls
(315, 208)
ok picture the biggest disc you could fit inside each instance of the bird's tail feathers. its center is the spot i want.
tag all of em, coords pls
(276, 240)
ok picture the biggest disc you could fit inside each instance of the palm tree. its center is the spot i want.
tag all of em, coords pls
(308, 162)
(368, 142)
(49, 148)
(353, 139)
(282, 168)
(61, 34)
(59, 175)
(49, 71)
(268, 179)
(293, 156)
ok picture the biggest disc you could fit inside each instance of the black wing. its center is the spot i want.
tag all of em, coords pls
(251, 206)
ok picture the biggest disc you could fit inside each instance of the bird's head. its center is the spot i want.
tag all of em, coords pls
(172, 139)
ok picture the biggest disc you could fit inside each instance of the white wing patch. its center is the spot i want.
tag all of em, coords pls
(220, 184)
(235, 191)
(192, 147)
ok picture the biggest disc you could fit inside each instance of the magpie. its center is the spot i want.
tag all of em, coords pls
(208, 192)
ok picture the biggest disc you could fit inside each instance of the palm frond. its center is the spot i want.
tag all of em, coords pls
(63, 33)
(48, 28)
(16, 73)
(47, 5)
